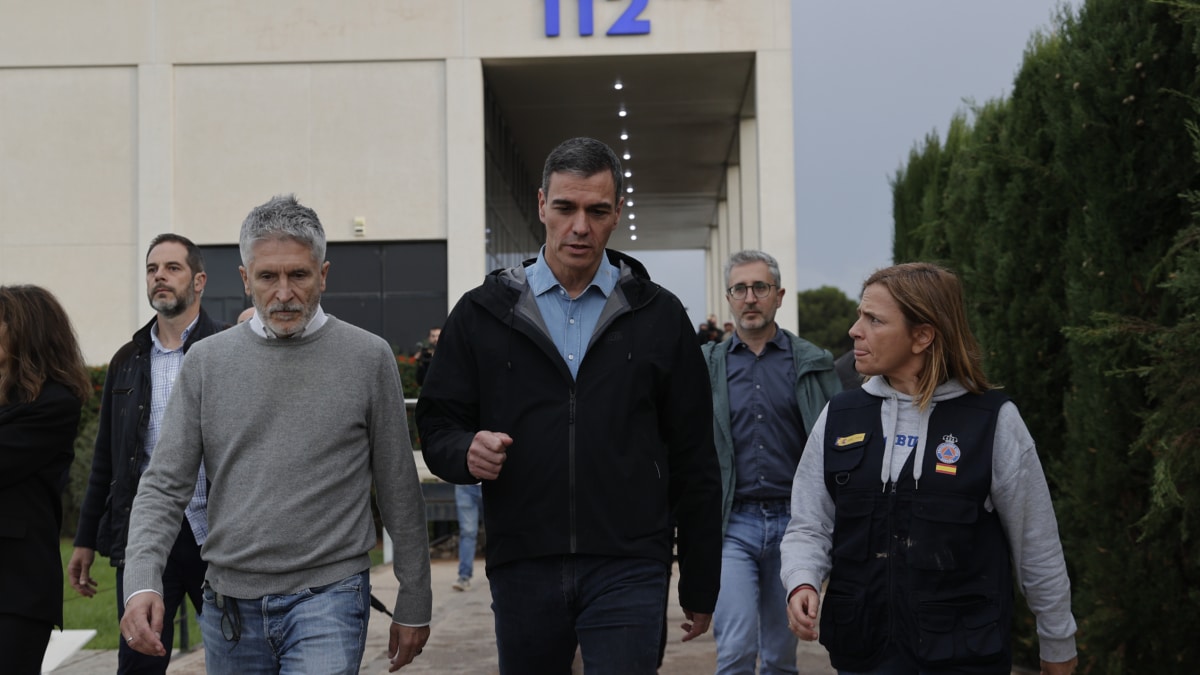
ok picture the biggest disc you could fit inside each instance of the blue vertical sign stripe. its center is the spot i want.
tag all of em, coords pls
(586, 18)
(551, 17)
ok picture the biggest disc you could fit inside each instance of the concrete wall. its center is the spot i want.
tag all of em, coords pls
(120, 119)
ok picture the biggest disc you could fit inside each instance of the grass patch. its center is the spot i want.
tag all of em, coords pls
(100, 612)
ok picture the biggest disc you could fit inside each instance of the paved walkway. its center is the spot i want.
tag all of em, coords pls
(462, 637)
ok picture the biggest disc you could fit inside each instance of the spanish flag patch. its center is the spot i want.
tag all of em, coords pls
(947, 469)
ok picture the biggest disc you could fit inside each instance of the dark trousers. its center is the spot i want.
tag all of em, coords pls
(23, 644)
(611, 608)
(183, 576)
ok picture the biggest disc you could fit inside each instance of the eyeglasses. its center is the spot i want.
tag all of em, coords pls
(761, 290)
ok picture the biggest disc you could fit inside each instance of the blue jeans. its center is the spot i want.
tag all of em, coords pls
(183, 577)
(750, 622)
(318, 630)
(468, 501)
(612, 608)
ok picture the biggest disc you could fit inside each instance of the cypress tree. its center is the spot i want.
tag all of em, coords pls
(1061, 208)
(1124, 159)
(910, 189)
(825, 315)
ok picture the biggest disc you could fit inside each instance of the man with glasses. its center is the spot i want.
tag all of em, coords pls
(769, 387)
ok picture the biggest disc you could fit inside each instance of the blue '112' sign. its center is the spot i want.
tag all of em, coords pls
(626, 24)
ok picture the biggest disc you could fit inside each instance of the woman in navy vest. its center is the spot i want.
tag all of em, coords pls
(920, 498)
(43, 384)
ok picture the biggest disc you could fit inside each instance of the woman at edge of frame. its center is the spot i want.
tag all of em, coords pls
(919, 497)
(43, 384)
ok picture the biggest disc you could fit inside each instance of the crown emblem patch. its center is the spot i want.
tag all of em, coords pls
(948, 452)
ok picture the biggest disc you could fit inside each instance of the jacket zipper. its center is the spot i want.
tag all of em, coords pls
(571, 467)
(891, 559)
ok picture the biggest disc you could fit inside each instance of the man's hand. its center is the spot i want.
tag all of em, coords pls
(696, 625)
(487, 453)
(802, 613)
(404, 643)
(1063, 668)
(141, 627)
(79, 571)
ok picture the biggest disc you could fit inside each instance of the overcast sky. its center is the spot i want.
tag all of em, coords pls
(872, 78)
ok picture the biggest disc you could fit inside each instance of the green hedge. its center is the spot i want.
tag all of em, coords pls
(1070, 209)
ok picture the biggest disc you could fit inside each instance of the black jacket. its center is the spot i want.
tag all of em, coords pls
(37, 444)
(116, 463)
(599, 465)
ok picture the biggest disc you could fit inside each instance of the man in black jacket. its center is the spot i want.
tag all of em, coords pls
(136, 389)
(573, 387)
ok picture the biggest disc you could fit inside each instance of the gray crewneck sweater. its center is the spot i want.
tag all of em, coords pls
(291, 432)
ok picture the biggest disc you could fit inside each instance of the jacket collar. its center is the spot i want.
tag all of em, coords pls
(502, 288)
(203, 328)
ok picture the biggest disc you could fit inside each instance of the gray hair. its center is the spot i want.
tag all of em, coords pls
(282, 218)
(746, 257)
(584, 157)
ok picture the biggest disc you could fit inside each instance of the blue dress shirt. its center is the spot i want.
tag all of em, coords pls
(768, 431)
(571, 322)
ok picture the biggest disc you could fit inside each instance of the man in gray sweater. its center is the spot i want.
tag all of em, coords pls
(294, 413)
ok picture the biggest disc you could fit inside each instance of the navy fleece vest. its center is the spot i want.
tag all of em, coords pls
(923, 567)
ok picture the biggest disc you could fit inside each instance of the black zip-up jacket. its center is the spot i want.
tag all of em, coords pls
(599, 465)
(116, 462)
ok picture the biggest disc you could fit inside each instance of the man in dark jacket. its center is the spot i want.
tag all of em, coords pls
(572, 386)
(136, 390)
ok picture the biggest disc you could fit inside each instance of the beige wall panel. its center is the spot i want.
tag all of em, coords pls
(379, 149)
(93, 284)
(517, 29)
(777, 169)
(101, 32)
(208, 31)
(74, 32)
(720, 25)
(466, 196)
(349, 140)
(242, 134)
(67, 156)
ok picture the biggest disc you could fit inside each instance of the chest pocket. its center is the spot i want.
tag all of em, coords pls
(122, 398)
(854, 507)
(852, 526)
(844, 455)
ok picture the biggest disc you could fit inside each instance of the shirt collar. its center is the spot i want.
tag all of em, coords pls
(780, 340)
(541, 279)
(319, 318)
(183, 338)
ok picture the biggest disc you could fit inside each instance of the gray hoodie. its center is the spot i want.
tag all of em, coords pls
(1019, 495)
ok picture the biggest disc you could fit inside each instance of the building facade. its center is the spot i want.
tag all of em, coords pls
(415, 128)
